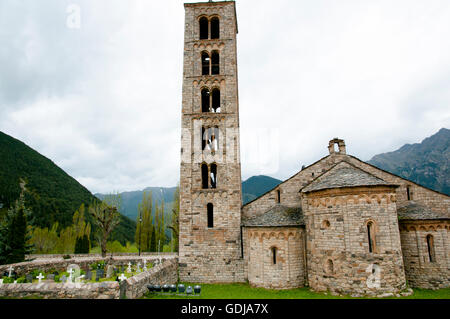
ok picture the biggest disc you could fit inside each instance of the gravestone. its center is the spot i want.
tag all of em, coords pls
(51, 277)
(29, 278)
(99, 274)
(189, 290)
(63, 278)
(89, 275)
(1, 281)
(129, 267)
(109, 271)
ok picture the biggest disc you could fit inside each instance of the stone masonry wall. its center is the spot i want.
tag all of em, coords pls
(421, 272)
(210, 254)
(46, 265)
(289, 270)
(163, 274)
(52, 290)
(338, 254)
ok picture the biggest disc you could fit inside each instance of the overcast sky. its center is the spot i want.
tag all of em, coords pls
(103, 101)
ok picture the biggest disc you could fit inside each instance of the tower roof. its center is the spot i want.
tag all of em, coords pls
(343, 175)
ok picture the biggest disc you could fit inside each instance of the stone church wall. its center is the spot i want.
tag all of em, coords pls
(289, 270)
(338, 255)
(421, 272)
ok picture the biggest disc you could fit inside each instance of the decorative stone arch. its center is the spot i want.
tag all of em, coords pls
(412, 228)
(291, 234)
(273, 234)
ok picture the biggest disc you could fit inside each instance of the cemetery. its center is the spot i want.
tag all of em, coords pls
(87, 278)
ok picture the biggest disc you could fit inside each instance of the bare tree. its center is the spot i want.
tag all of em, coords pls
(106, 217)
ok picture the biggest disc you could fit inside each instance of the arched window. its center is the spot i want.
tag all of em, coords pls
(215, 28)
(205, 63)
(371, 236)
(204, 25)
(204, 176)
(430, 245)
(213, 175)
(216, 100)
(274, 255)
(205, 101)
(215, 63)
(210, 213)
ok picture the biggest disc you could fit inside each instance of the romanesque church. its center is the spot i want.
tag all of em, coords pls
(338, 225)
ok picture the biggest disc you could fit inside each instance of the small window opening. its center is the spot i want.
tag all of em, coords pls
(204, 25)
(204, 176)
(215, 63)
(210, 212)
(204, 138)
(205, 63)
(326, 224)
(330, 266)
(278, 196)
(215, 28)
(213, 176)
(430, 244)
(408, 192)
(370, 236)
(205, 101)
(336, 147)
(216, 101)
(274, 255)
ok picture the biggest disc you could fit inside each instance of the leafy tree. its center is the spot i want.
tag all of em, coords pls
(144, 227)
(153, 240)
(174, 226)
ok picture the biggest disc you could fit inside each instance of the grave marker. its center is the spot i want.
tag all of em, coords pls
(122, 277)
(40, 277)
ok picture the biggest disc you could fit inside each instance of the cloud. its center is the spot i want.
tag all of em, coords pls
(104, 101)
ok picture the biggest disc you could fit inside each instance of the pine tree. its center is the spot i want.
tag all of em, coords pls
(14, 232)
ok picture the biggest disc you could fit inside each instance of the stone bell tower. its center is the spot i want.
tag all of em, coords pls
(210, 177)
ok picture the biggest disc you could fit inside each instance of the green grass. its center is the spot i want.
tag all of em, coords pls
(244, 291)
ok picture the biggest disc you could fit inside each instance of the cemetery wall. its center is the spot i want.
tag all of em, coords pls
(162, 274)
(52, 290)
(46, 256)
(46, 265)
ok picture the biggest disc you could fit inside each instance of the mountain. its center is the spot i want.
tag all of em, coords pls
(426, 163)
(131, 200)
(52, 194)
(251, 189)
(255, 186)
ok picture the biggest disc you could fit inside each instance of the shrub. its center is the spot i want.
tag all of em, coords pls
(57, 279)
(21, 280)
(7, 280)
